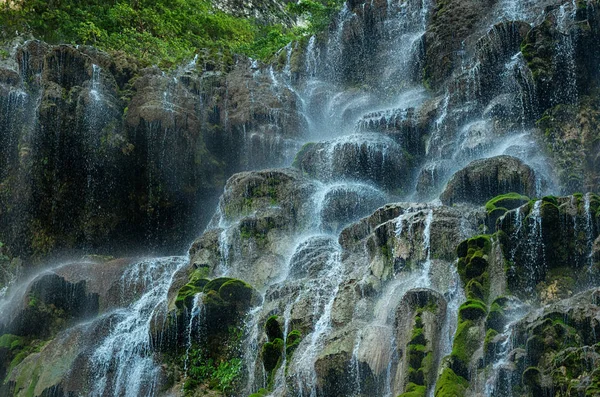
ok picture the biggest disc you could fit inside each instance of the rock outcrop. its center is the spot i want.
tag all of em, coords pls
(484, 179)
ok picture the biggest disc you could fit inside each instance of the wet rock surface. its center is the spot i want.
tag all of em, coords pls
(482, 180)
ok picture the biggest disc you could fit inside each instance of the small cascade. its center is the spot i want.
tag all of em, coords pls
(589, 230)
(536, 225)
(324, 290)
(335, 205)
(197, 318)
(251, 349)
(512, 10)
(122, 363)
(355, 364)
(499, 382)
(424, 280)
(371, 158)
(519, 80)
(95, 89)
(312, 57)
(405, 30)
(564, 55)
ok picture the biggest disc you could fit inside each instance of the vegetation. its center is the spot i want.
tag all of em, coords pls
(164, 32)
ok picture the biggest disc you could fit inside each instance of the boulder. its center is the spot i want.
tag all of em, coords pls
(370, 158)
(484, 179)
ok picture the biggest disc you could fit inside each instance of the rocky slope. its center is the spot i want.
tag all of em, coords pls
(413, 246)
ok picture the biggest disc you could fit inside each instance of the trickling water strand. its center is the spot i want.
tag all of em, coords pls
(123, 364)
(564, 57)
(424, 280)
(355, 364)
(324, 289)
(589, 231)
(251, 348)
(95, 91)
(196, 314)
(312, 57)
(495, 384)
(536, 261)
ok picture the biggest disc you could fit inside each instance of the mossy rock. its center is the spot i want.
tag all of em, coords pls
(462, 249)
(476, 267)
(416, 376)
(508, 201)
(293, 341)
(418, 337)
(475, 290)
(213, 299)
(593, 389)
(416, 353)
(532, 378)
(11, 342)
(271, 354)
(260, 392)
(466, 342)
(449, 384)
(472, 309)
(482, 242)
(236, 291)
(216, 284)
(550, 199)
(489, 348)
(201, 273)
(301, 153)
(494, 215)
(496, 318)
(414, 390)
(273, 328)
(186, 295)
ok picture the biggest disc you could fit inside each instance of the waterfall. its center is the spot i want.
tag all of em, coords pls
(498, 383)
(196, 318)
(122, 363)
(331, 248)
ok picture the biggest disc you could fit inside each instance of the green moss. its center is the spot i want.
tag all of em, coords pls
(271, 354)
(462, 249)
(465, 342)
(216, 284)
(489, 348)
(506, 201)
(260, 393)
(450, 385)
(418, 337)
(496, 318)
(474, 290)
(11, 342)
(532, 378)
(236, 291)
(414, 390)
(550, 199)
(472, 309)
(273, 328)
(292, 342)
(476, 266)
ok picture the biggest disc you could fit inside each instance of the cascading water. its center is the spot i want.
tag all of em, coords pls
(122, 363)
(498, 383)
(196, 319)
(368, 138)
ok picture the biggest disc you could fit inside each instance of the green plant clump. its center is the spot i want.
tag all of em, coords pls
(163, 32)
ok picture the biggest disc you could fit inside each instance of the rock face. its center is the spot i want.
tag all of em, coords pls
(289, 291)
(549, 261)
(101, 154)
(484, 179)
(368, 158)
